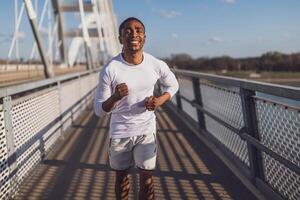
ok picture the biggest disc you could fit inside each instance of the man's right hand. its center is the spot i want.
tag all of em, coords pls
(121, 90)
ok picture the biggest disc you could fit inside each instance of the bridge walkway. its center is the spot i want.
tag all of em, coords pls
(78, 167)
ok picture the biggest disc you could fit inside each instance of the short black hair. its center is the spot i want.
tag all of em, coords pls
(122, 25)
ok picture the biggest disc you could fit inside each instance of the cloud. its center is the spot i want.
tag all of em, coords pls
(167, 13)
(260, 38)
(215, 39)
(21, 35)
(43, 30)
(229, 1)
(286, 35)
(77, 14)
(174, 35)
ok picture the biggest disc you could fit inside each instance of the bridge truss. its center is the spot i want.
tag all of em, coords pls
(62, 33)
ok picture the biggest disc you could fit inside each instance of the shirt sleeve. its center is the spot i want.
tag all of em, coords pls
(168, 80)
(103, 92)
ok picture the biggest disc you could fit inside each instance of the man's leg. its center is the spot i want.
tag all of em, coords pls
(122, 184)
(146, 185)
(121, 159)
(144, 153)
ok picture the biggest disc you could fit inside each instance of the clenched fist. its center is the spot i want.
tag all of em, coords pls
(152, 103)
(121, 90)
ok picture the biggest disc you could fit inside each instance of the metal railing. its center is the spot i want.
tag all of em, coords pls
(257, 125)
(33, 117)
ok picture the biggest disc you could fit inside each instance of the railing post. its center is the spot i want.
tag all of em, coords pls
(157, 89)
(198, 100)
(79, 109)
(251, 128)
(59, 85)
(10, 138)
(178, 100)
(82, 101)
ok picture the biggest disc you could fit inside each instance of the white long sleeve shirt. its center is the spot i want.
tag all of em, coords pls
(129, 116)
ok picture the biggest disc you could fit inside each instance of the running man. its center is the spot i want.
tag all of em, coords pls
(125, 90)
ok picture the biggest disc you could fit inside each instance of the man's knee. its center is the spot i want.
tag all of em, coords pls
(122, 173)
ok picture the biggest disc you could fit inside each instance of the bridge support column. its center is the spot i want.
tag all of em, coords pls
(251, 128)
(48, 71)
(86, 38)
(60, 23)
(198, 100)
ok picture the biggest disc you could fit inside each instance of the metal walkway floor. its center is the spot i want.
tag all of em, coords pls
(78, 168)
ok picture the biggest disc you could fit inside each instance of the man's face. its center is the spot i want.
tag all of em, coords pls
(132, 36)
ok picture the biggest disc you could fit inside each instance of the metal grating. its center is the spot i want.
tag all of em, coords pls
(95, 79)
(51, 136)
(186, 90)
(231, 140)
(226, 104)
(281, 178)
(279, 129)
(85, 85)
(31, 118)
(70, 94)
(37, 124)
(173, 100)
(4, 169)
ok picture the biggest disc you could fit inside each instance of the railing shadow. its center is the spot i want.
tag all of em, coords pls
(79, 168)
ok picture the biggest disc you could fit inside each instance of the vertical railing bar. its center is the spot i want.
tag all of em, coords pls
(10, 140)
(79, 96)
(198, 100)
(177, 95)
(60, 108)
(251, 128)
(178, 100)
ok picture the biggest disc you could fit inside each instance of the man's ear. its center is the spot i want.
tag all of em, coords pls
(120, 39)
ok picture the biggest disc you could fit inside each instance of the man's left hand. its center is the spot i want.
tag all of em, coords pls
(152, 103)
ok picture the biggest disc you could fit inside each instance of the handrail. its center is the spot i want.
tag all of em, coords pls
(67, 103)
(245, 136)
(15, 89)
(200, 108)
(286, 105)
(265, 149)
(278, 90)
(245, 94)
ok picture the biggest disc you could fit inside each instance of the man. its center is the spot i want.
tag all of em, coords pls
(125, 90)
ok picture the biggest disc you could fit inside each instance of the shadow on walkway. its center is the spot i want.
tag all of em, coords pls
(78, 168)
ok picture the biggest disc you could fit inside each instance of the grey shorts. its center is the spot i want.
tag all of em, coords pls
(139, 151)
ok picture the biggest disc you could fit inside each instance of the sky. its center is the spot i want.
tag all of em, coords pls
(237, 28)
(201, 28)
